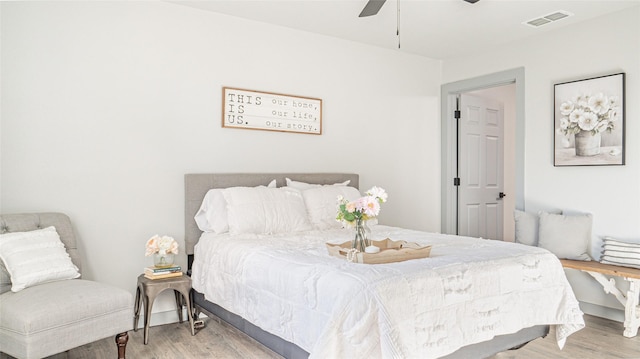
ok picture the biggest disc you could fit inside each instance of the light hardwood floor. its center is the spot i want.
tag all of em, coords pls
(601, 338)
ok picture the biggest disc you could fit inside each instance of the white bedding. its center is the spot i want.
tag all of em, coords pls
(468, 291)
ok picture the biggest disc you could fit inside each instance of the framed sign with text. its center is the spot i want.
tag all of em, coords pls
(271, 111)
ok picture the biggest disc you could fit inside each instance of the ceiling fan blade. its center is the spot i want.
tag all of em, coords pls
(472, 1)
(372, 8)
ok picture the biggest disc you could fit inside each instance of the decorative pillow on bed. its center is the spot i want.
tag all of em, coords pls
(35, 257)
(321, 203)
(566, 236)
(304, 185)
(212, 215)
(263, 210)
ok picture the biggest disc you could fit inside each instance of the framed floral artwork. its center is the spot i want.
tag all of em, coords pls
(589, 121)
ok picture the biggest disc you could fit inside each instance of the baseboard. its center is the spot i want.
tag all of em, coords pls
(603, 312)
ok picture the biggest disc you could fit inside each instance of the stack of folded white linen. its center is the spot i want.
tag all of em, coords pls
(621, 253)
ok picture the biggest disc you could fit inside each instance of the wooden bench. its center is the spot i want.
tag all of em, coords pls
(629, 301)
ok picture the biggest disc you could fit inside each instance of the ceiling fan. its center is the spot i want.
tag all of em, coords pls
(373, 6)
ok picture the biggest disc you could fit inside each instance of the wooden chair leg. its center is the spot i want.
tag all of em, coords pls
(121, 342)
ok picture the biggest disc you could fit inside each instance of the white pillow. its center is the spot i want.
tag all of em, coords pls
(565, 236)
(262, 210)
(617, 261)
(212, 215)
(304, 185)
(35, 257)
(322, 204)
(621, 253)
(526, 228)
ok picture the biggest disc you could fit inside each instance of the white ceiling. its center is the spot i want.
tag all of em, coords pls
(437, 29)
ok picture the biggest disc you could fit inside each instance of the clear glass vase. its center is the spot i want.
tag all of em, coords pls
(361, 238)
(163, 260)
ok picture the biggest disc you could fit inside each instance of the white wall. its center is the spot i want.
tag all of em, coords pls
(601, 46)
(106, 105)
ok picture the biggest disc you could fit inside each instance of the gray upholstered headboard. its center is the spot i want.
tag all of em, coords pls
(197, 185)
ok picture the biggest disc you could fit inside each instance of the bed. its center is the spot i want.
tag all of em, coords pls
(471, 299)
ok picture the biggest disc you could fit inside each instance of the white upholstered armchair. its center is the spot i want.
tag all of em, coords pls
(50, 312)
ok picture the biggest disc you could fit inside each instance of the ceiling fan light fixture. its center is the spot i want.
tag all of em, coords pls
(373, 6)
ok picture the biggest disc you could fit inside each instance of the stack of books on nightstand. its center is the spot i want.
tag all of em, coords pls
(154, 272)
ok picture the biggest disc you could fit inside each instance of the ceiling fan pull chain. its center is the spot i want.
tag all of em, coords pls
(398, 24)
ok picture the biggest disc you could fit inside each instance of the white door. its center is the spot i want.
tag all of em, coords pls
(480, 168)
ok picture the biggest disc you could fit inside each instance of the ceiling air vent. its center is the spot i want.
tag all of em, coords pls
(542, 20)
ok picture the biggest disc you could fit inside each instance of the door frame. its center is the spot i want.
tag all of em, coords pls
(448, 93)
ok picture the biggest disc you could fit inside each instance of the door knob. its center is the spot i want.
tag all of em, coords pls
(501, 195)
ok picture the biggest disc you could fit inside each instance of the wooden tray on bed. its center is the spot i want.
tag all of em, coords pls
(390, 251)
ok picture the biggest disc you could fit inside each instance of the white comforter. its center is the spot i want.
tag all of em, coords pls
(468, 291)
